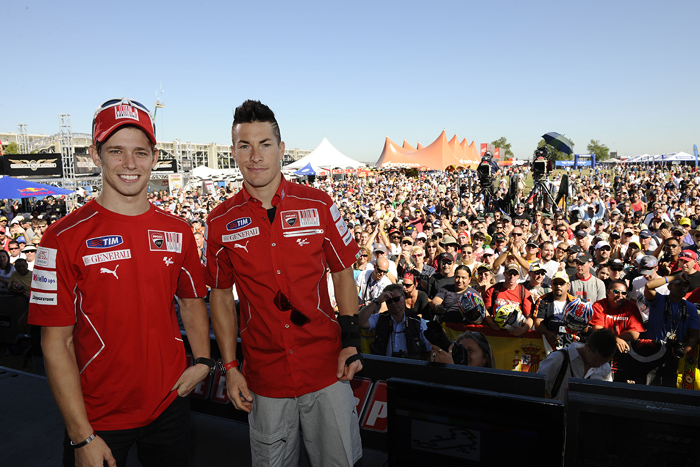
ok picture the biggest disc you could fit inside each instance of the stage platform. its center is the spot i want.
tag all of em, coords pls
(31, 432)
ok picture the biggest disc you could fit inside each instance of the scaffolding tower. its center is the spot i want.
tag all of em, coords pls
(22, 138)
(67, 152)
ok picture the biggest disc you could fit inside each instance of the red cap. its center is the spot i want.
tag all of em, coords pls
(688, 255)
(116, 113)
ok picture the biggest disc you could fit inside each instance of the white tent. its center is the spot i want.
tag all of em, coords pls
(325, 156)
(679, 156)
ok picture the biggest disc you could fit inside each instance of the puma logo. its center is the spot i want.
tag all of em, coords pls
(238, 245)
(107, 271)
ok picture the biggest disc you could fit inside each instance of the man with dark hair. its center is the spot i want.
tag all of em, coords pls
(672, 320)
(398, 333)
(620, 315)
(274, 240)
(102, 290)
(590, 361)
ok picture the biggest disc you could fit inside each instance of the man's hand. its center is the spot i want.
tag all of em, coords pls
(237, 390)
(94, 454)
(622, 345)
(345, 372)
(189, 379)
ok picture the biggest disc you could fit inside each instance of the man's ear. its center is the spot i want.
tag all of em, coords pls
(95, 155)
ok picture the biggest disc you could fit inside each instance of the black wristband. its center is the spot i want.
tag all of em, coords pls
(350, 331)
(86, 441)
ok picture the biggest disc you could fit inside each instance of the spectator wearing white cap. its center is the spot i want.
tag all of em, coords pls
(30, 254)
(648, 267)
(602, 252)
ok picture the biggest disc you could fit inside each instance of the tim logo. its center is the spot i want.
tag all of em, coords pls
(239, 223)
(108, 241)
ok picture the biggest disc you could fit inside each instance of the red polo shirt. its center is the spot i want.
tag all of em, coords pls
(288, 255)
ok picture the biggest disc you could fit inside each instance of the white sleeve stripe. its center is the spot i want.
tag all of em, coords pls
(194, 289)
(211, 219)
(309, 199)
(336, 253)
(76, 224)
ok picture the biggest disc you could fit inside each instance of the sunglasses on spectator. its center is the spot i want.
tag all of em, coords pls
(619, 292)
(394, 299)
(297, 317)
(381, 271)
(364, 255)
(406, 242)
(407, 285)
(417, 255)
(515, 234)
(447, 261)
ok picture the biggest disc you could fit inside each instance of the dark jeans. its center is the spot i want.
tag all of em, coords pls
(163, 442)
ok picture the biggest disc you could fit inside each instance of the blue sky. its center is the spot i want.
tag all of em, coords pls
(622, 72)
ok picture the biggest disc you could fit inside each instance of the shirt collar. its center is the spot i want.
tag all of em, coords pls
(276, 199)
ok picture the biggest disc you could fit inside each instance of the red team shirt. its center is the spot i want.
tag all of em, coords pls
(114, 277)
(627, 318)
(289, 255)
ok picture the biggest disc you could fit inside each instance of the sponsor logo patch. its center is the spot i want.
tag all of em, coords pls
(108, 241)
(125, 111)
(42, 298)
(106, 257)
(335, 212)
(239, 223)
(44, 280)
(300, 218)
(165, 241)
(46, 257)
(241, 235)
(341, 226)
(290, 218)
(347, 237)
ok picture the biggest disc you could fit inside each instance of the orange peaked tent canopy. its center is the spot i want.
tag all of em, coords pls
(439, 155)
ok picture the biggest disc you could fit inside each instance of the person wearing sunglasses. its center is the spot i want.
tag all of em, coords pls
(102, 290)
(397, 333)
(274, 239)
(620, 315)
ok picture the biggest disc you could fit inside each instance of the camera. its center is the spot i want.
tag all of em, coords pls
(485, 171)
(541, 164)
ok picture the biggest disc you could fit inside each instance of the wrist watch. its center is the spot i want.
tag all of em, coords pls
(208, 362)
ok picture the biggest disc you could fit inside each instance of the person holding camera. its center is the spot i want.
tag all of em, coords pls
(672, 320)
(398, 332)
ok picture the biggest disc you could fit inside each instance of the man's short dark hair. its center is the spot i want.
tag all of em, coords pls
(392, 287)
(254, 111)
(612, 284)
(602, 341)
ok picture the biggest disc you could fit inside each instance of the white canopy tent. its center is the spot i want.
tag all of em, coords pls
(325, 156)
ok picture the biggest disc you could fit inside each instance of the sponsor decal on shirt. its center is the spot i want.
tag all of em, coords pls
(335, 212)
(300, 218)
(42, 298)
(165, 241)
(107, 241)
(43, 280)
(347, 238)
(106, 257)
(241, 235)
(239, 223)
(46, 257)
(341, 226)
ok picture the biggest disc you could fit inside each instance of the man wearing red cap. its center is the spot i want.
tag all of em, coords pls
(114, 355)
(687, 262)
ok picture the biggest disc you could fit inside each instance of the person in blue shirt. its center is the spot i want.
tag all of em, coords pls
(672, 320)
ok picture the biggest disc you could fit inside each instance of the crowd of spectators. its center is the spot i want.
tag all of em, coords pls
(429, 233)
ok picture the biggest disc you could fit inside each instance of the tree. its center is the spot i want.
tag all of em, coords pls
(504, 145)
(601, 151)
(11, 148)
(557, 155)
